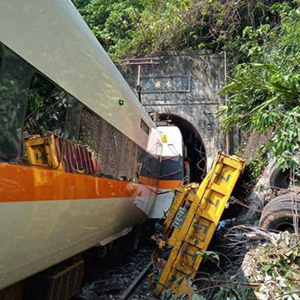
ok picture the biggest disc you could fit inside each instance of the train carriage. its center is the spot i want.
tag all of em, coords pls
(79, 157)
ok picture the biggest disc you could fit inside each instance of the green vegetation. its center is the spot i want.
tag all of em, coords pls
(255, 167)
(264, 92)
(127, 28)
(112, 22)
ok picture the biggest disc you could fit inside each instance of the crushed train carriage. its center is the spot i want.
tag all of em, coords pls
(79, 156)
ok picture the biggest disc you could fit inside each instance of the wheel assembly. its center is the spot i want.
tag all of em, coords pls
(281, 213)
(279, 179)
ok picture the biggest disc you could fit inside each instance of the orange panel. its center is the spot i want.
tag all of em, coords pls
(168, 184)
(24, 183)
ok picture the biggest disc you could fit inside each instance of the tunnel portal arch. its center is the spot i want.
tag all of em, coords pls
(194, 145)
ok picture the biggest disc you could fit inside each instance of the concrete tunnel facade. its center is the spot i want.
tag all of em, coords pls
(183, 88)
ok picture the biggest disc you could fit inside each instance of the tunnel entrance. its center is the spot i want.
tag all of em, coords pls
(193, 145)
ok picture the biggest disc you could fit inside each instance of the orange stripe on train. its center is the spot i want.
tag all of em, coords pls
(168, 184)
(24, 183)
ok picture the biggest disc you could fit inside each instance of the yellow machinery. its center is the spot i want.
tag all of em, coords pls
(41, 151)
(191, 223)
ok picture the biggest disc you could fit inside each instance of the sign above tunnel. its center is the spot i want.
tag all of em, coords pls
(166, 84)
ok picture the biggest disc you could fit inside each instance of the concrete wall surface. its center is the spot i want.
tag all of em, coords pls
(185, 85)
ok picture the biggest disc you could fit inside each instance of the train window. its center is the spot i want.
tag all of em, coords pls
(90, 131)
(103, 139)
(128, 159)
(74, 113)
(144, 126)
(1, 59)
(46, 107)
(15, 79)
(140, 165)
(111, 148)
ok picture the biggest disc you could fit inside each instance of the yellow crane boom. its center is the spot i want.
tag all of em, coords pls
(191, 223)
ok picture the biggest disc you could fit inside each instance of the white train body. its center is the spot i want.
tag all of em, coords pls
(47, 215)
(171, 171)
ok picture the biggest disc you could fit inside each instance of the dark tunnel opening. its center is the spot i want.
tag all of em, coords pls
(194, 146)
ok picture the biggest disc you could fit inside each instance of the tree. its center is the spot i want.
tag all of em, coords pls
(264, 93)
(112, 22)
(127, 28)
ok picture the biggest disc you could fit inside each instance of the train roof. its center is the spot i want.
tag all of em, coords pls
(52, 36)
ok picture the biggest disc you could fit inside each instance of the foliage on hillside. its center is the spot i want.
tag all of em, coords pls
(112, 22)
(264, 93)
(127, 28)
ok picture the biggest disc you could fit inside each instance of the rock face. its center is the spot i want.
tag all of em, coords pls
(256, 200)
(253, 142)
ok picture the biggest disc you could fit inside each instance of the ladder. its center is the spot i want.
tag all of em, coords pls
(190, 224)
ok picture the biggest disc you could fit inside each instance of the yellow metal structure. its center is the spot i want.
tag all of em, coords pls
(164, 138)
(41, 151)
(191, 223)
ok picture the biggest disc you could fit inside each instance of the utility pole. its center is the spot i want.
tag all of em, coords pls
(139, 62)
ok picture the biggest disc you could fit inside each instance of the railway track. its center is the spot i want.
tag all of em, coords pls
(122, 280)
(138, 282)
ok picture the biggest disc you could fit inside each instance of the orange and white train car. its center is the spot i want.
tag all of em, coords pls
(79, 157)
(171, 170)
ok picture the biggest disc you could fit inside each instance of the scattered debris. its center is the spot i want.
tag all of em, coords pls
(113, 281)
(274, 263)
(261, 265)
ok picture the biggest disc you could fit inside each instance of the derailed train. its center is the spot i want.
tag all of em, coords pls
(79, 157)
